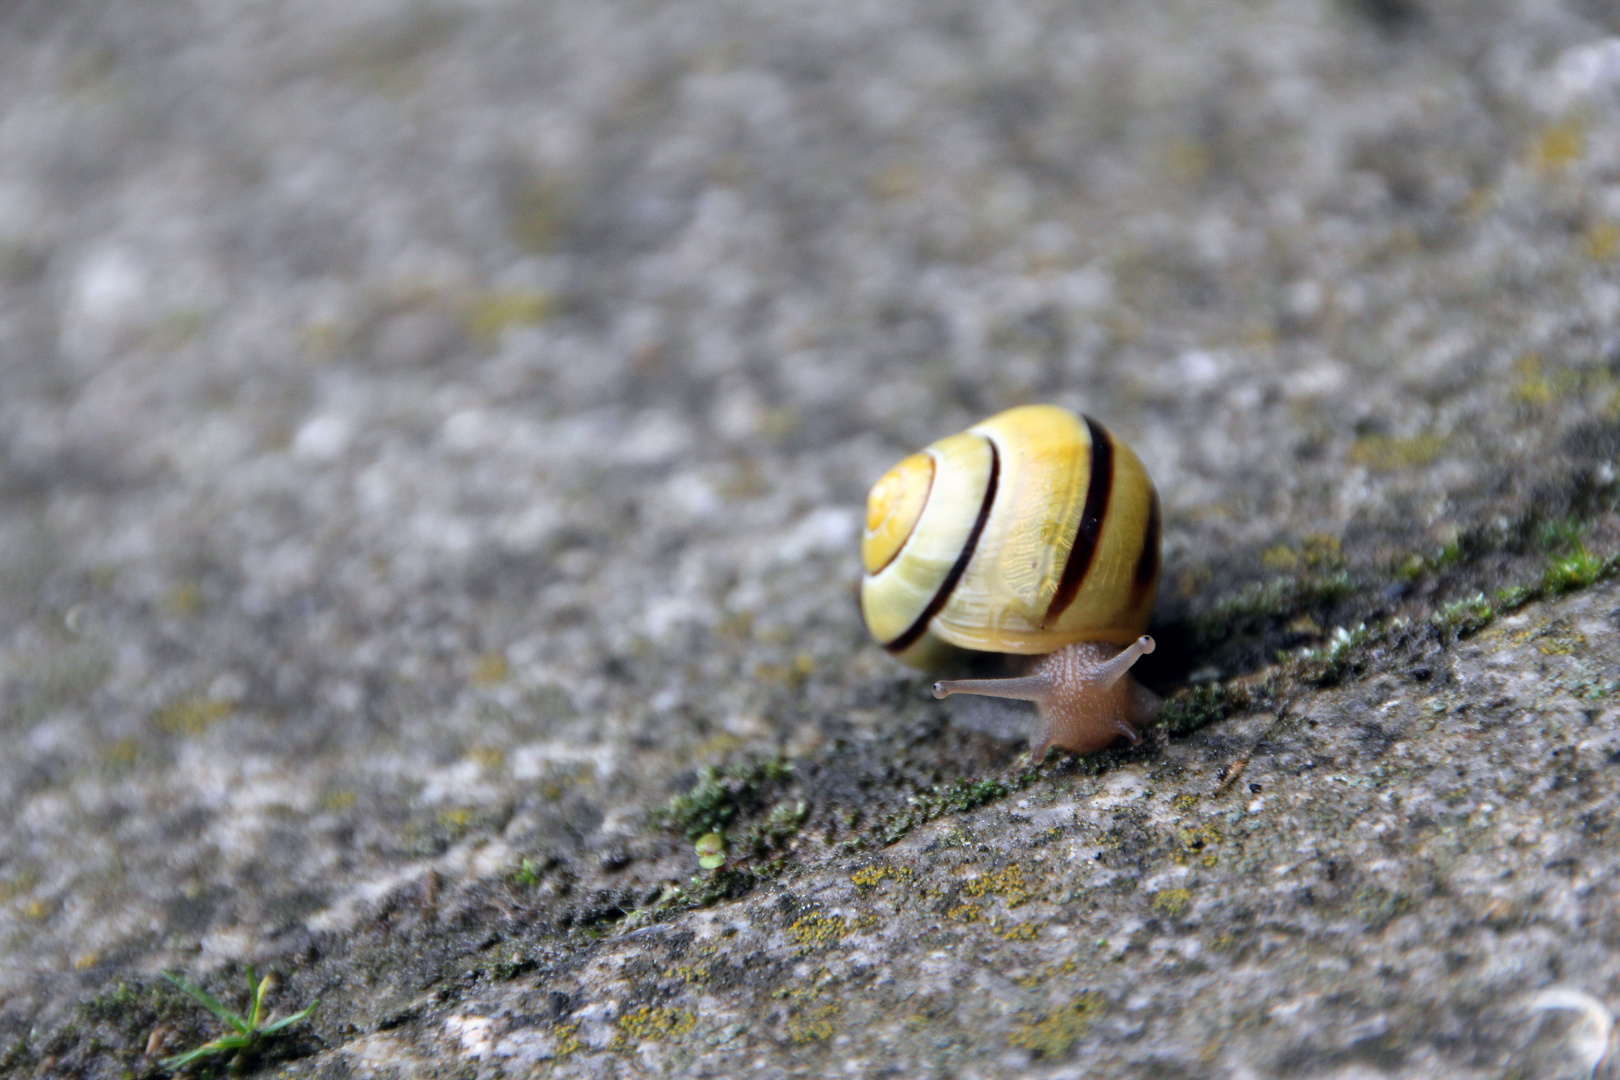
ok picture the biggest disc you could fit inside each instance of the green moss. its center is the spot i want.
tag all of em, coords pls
(1463, 618)
(1575, 570)
(1192, 707)
(720, 796)
(528, 873)
(19, 1056)
(1340, 656)
(1278, 598)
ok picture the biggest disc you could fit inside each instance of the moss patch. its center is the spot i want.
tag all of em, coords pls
(720, 795)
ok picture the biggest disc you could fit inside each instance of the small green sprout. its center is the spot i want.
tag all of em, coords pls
(247, 1029)
(711, 851)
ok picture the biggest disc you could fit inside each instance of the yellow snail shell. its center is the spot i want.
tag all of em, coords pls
(1034, 533)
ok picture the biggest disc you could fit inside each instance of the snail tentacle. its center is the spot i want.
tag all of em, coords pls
(1113, 670)
(1024, 688)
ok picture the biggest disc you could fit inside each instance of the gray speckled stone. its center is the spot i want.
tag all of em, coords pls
(433, 432)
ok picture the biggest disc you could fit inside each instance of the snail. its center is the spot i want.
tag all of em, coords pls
(1034, 533)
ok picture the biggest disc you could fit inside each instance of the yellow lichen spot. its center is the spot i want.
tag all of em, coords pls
(1386, 453)
(568, 1041)
(19, 884)
(1259, 336)
(490, 669)
(792, 675)
(1280, 557)
(1560, 638)
(963, 913)
(868, 877)
(1198, 837)
(1533, 387)
(539, 213)
(716, 746)
(1317, 551)
(814, 1024)
(1538, 386)
(657, 1022)
(1322, 549)
(815, 930)
(122, 754)
(192, 716)
(489, 757)
(696, 974)
(777, 424)
(1198, 842)
(1187, 160)
(490, 316)
(1559, 144)
(1007, 883)
(184, 601)
(338, 801)
(896, 181)
(1015, 931)
(1052, 1035)
(457, 819)
(323, 340)
(176, 329)
(1477, 202)
(747, 481)
(1183, 802)
(87, 960)
(1171, 902)
(35, 909)
(730, 170)
(1602, 240)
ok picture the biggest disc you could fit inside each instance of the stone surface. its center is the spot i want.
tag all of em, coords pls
(432, 434)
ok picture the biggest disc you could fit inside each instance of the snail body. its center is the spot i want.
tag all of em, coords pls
(1034, 533)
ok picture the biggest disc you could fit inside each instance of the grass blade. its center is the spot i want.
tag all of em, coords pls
(256, 989)
(208, 1049)
(207, 1001)
(277, 1025)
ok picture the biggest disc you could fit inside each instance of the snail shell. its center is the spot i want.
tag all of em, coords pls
(1032, 533)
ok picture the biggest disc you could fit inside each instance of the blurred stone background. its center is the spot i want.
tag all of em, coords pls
(432, 439)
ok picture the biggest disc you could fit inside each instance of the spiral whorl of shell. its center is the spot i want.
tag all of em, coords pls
(1032, 530)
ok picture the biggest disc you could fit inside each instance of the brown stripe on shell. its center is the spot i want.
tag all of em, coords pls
(916, 630)
(1098, 490)
(1147, 563)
